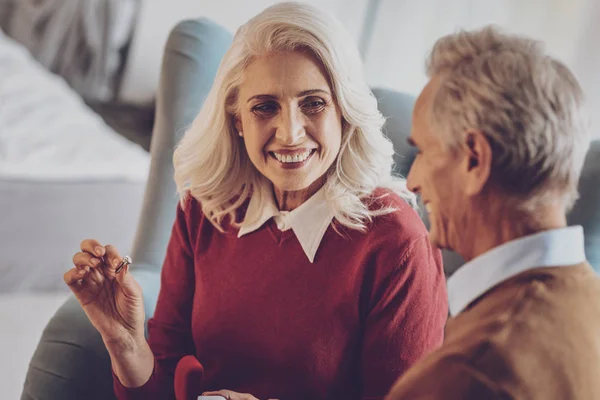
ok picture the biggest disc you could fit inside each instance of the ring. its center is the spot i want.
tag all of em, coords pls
(125, 261)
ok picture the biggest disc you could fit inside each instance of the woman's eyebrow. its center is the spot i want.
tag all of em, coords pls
(303, 93)
(262, 97)
(312, 91)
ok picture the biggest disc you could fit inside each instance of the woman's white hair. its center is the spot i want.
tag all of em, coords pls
(211, 162)
(528, 104)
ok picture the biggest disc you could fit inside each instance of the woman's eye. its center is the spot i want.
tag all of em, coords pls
(265, 109)
(313, 105)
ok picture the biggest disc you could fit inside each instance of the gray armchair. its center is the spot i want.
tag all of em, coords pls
(71, 362)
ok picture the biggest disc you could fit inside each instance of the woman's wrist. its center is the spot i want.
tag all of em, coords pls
(124, 344)
(132, 360)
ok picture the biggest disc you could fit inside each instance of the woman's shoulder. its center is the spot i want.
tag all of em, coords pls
(191, 216)
(387, 197)
(189, 207)
(401, 222)
(191, 211)
(396, 233)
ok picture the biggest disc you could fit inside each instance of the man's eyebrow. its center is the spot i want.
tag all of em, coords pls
(411, 142)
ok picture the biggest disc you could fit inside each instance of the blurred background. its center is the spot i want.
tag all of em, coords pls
(394, 36)
(78, 81)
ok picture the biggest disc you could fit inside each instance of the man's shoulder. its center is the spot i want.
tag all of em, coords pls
(445, 374)
(506, 343)
(518, 329)
(545, 293)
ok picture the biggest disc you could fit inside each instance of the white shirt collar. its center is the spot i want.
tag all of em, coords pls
(556, 247)
(309, 221)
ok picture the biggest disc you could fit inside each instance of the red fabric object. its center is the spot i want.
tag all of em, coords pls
(188, 378)
(261, 319)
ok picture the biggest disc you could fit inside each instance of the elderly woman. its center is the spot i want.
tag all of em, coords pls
(297, 267)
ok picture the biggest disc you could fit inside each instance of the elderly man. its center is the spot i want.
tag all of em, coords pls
(501, 141)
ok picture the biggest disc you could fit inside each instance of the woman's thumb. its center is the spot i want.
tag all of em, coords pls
(127, 282)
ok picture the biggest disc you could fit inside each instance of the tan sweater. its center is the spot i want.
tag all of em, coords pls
(534, 336)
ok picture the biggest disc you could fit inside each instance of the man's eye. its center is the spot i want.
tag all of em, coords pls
(265, 108)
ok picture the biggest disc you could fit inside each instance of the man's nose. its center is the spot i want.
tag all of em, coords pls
(411, 179)
(290, 129)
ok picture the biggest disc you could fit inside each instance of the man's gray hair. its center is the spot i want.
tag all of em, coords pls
(527, 103)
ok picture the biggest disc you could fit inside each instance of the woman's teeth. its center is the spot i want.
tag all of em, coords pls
(286, 158)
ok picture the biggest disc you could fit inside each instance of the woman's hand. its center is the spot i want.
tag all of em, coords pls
(112, 302)
(230, 395)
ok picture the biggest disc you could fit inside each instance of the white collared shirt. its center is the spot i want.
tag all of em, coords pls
(556, 247)
(309, 221)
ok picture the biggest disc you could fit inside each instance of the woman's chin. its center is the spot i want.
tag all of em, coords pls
(291, 186)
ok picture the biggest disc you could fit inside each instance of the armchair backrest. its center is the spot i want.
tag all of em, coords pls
(397, 108)
(192, 56)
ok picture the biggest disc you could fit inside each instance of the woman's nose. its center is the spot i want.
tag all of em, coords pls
(290, 129)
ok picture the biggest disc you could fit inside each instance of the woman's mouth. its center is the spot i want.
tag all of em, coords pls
(292, 159)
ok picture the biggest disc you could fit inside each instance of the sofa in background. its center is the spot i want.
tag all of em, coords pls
(70, 362)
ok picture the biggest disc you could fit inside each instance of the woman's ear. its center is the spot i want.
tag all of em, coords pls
(238, 126)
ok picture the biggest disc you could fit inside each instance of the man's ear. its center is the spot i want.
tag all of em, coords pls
(478, 154)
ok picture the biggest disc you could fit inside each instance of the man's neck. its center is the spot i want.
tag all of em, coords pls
(495, 226)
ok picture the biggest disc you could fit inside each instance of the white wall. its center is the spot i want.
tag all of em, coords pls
(158, 17)
(403, 33)
(406, 30)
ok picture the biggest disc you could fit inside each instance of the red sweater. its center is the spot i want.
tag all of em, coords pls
(262, 319)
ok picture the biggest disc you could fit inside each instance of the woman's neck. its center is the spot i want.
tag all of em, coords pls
(288, 200)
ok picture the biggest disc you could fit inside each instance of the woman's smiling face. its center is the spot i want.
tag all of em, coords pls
(291, 126)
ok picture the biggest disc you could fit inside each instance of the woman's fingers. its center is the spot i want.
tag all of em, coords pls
(85, 260)
(93, 254)
(74, 276)
(85, 267)
(230, 395)
(93, 246)
(112, 257)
